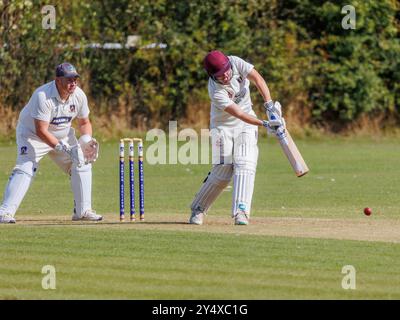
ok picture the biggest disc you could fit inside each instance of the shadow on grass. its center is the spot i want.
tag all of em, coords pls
(41, 222)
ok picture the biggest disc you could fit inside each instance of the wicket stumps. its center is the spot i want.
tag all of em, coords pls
(131, 143)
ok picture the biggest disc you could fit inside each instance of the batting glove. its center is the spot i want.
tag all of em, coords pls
(274, 113)
(270, 130)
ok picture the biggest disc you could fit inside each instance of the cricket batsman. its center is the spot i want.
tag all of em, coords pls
(234, 132)
(44, 127)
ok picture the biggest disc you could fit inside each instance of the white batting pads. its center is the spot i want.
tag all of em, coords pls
(245, 163)
(217, 180)
(17, 186)
(243, 186)
(81, 184)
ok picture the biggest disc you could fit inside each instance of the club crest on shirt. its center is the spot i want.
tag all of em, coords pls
(24, 150)
(72, 108)
(231, 94)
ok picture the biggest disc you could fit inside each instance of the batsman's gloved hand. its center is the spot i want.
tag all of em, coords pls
(74, 152)
(270, 130)
(274, 113)
(90, 148)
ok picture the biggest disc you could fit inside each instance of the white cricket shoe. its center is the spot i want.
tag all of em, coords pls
(7, 218)
(88, 215)
(241, 219)
(197, 217)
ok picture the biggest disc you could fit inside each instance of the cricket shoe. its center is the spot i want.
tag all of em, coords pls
(88, 215)
(7, 218)
(197, 217)
(241, 219)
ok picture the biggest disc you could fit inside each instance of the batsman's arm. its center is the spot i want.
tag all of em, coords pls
(42, 131)
(235, 111)
(260, 83)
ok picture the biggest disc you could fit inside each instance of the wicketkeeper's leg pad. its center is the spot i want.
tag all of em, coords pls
(17, 186)
(81, 184)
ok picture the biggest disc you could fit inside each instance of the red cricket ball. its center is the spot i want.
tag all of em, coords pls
(367, 211)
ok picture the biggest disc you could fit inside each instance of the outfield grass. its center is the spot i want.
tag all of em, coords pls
(135, 264)
(171, 260)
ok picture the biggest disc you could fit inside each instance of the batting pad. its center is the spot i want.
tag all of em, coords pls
(243, 187)
(245, 164)
(217, 180)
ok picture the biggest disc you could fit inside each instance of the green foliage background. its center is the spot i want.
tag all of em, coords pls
(323, 74)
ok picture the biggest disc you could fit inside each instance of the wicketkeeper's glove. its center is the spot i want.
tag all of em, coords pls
(90, 148)
(74, 152)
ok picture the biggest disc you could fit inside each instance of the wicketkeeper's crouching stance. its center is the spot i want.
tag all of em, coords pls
(234, 130)
(44, 127)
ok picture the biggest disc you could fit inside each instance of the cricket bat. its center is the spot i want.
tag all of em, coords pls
(292, 153)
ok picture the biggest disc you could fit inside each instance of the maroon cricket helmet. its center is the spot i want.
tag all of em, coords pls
(216, 63)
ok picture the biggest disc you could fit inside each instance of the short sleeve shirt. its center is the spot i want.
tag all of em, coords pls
(45, 104)
(237, 91)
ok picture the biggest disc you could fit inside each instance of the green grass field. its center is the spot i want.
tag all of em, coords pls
(302, 232)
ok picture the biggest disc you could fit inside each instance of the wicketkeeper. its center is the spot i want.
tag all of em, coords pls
(234, 132)
(44, 127)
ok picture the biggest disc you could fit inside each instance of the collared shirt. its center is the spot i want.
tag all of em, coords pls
(45, 104)
(237, 91)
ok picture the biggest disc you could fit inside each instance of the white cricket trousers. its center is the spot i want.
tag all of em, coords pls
(234, 154)
(30, 150)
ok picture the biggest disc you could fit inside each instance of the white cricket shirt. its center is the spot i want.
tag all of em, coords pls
(45, 104)
(237, 91)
